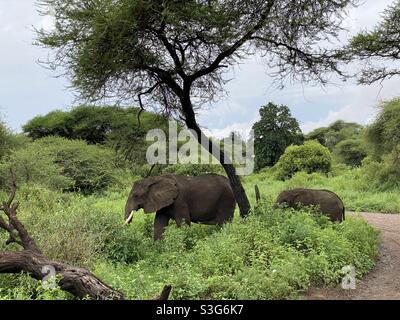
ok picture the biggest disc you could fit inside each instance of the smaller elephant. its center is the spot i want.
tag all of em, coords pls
(206, 199)
(328, 202)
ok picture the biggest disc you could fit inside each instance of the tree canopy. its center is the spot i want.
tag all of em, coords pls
(175, 53)
(379, 48)
(336, 132)
(111, 125)
(384, 133)
(276, 130)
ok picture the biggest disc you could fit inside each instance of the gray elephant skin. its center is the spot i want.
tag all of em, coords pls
(329, 203)
(206, 199)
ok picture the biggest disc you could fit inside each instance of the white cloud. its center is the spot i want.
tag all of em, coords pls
(242, 128)
(362, 109)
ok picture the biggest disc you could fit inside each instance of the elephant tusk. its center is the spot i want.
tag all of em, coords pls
(129, 218)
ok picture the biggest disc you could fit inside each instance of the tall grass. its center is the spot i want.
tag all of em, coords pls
(356, 193)
(274, 254)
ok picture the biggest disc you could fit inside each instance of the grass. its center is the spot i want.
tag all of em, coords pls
(355, 192)
(273, 254)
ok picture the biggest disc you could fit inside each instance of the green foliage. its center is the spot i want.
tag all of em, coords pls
(271, 255)
(335, 133)
(310, 157)
(109, 125)
(378, 48)
(384, 133)
(354, 186)
(274, 254)
(276, 130)
(4, 140)
(193, 169)
(351, 152)
(9, 141)
(59, 163)
(384, 175)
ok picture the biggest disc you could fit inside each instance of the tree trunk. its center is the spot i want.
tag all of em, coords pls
(77, 281)
(236, 184)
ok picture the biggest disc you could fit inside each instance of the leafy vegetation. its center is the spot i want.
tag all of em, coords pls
(116, 127)
(276, 131)
(61, 164)
(335, 133)
(273, 254)
(351, 152)
(310, 157)
(378, 48)
(72, 195)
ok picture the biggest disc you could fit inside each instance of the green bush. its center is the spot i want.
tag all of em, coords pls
(336, 132)
(384, 175)
(274, 254)
(271, 255)
(384, 133)
(351, 152)
(59, 163)
(113, 126)
(310, 157)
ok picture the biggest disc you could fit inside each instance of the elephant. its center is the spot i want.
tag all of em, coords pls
(206, 199)
(329, 203)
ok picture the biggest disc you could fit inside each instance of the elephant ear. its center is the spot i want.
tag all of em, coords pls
(161, 194)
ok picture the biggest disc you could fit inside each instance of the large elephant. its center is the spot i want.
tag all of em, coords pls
(206, 199)
(329, 203)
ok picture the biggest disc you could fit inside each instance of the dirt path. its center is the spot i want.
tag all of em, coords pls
(383, 282)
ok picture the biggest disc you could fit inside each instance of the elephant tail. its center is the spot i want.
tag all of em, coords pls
(344, 213)
(258, 194)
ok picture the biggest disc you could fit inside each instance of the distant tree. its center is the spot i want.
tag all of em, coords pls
(276, 130)
(379, 48)
(109, 125)
(176, 53)
(351, 152)
(336, 132)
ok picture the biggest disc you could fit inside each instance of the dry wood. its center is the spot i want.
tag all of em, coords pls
(77, 281)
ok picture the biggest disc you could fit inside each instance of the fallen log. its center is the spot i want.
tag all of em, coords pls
(77, 281)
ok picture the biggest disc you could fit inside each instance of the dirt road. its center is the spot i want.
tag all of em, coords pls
(383, 282)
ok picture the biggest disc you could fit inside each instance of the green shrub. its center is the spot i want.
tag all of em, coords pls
(351, 152)
(113, 126)
(310, 157)
(384, 175)
(274, 254)
(64, 164)
(384, 133)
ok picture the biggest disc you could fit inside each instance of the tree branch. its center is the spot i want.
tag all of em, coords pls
(77, 281)
(228, 52)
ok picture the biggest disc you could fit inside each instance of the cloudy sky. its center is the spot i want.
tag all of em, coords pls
(27, 89)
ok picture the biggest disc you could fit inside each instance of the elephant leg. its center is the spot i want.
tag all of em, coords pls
(182, 215)
(160, 223)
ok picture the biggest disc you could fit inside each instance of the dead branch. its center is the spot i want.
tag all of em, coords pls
(77, 281)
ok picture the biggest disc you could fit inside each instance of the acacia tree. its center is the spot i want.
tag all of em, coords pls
(174, 54)
(379, 48)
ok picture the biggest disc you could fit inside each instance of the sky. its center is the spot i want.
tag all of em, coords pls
(28, 89)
